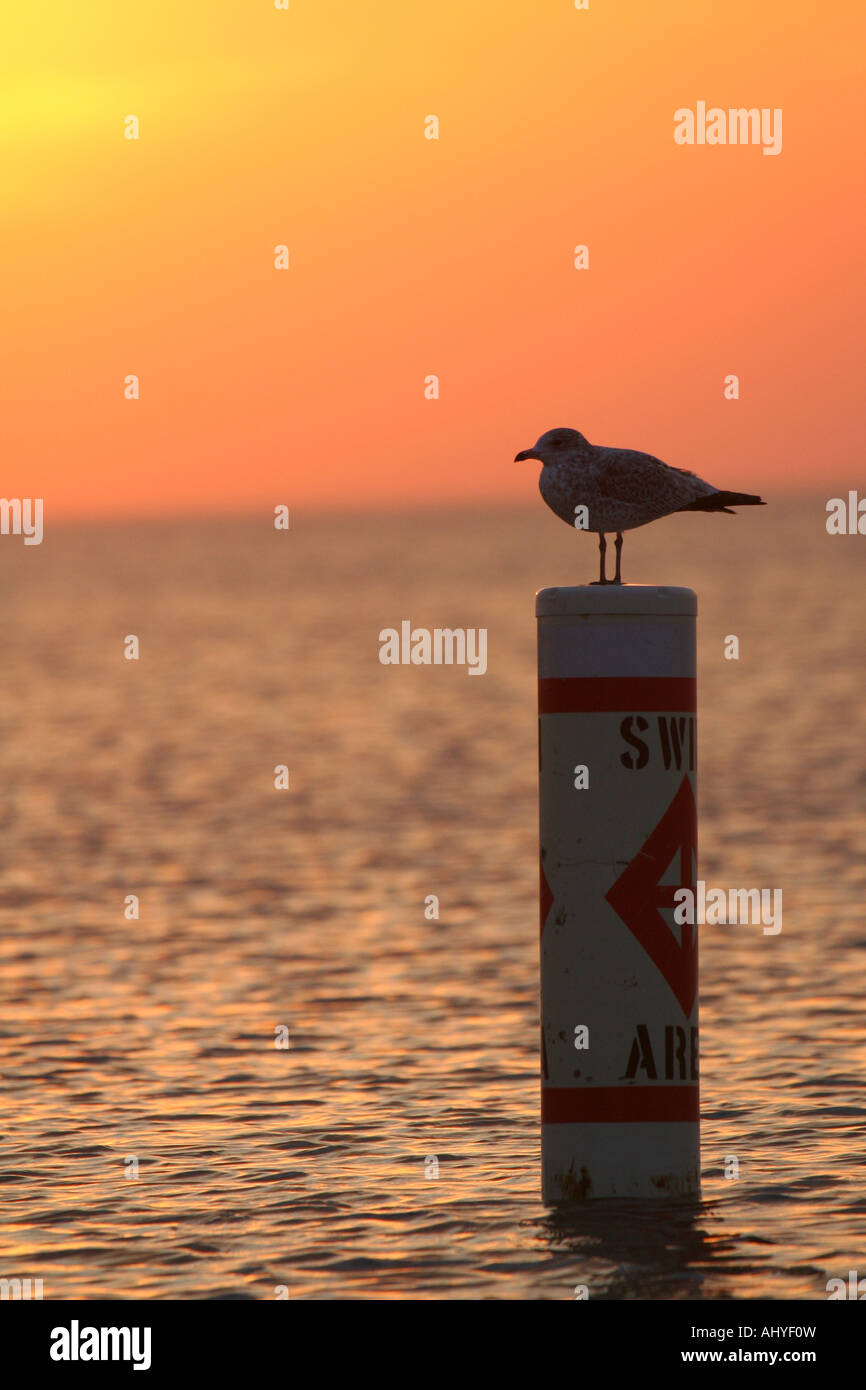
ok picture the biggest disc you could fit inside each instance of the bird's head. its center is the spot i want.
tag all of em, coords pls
(554, 445)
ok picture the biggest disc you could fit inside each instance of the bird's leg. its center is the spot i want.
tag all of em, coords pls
(618, 544)
(602, 551)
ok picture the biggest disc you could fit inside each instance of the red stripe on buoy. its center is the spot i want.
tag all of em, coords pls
(613, 694)
(564, 1105)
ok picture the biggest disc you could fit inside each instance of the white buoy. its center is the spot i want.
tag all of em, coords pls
(619, 978)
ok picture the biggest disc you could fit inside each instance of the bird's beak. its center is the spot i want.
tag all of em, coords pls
(525, 454)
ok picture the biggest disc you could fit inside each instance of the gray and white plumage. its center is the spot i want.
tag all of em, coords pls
(620, 488)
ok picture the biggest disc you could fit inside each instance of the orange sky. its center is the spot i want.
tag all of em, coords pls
(412, 256)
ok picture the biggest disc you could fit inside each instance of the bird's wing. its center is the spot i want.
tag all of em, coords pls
(623, 473)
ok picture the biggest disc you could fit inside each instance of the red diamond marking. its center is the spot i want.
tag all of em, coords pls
(638, 895)
(545, 897)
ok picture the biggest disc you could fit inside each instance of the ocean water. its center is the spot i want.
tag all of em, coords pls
(151, 1042)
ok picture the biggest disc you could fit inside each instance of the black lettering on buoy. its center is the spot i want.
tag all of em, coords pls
(679, 1056)
(625, 728)
(641, 1055)
(672, 736)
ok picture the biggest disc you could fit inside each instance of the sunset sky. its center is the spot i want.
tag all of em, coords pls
(411, 257)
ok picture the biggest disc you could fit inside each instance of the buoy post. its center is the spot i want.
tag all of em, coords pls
(618, 839)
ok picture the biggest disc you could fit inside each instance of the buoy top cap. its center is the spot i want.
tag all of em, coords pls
(626, 600)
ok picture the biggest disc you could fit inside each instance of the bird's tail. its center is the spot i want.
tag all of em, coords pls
(723, 501)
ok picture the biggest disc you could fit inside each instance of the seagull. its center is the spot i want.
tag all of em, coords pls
(619, 489)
